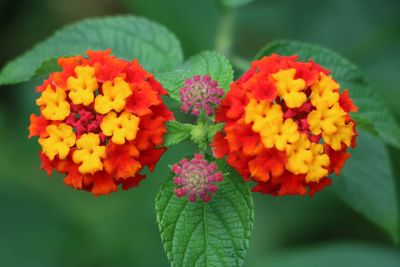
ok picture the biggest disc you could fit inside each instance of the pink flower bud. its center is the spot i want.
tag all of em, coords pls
(196, 177)
(200, 93)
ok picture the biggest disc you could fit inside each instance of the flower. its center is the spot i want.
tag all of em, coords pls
(59, 141)
(89, 153)
(102, 120)
(196, 177)
(200, 93)
(287, 126)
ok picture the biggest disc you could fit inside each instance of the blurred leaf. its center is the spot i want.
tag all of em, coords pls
(368, 185)
(129, 37)
(370, 105)
(333, 255)
(195, 22)
(206, 63)
(177, 132)
(213, 234)
(235, 3)
(365, 124)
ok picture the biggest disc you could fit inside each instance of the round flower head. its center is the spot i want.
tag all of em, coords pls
(287, 126)
(196, 177)
(200, 93)
(101, 121)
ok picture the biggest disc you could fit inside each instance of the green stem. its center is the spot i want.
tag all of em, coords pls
(223, 41)
(240, 63)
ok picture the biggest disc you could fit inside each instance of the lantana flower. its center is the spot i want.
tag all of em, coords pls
(196, 178)
(200, 93)
(287, 126)
(101, 121)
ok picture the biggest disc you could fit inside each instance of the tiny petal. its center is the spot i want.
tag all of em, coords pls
(205, 197)
(180, 181)
(176, 168)
(211, 188)
(180, 192)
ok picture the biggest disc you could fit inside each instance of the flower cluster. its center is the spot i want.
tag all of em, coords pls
(200, 93)
(196, 177)
(101, 121)
(287, 126)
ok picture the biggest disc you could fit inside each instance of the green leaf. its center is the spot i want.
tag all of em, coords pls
(207, 62)
(235, 3)
(177, 132)
(365, 124)
(47, 67)
(370, 105)
(213, 129)
(129, 37)
(213, 234)
(333, 255)
(367, 184)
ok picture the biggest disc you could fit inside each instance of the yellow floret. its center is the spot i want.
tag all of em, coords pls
(299, 155)
(326, 120)
(55, 106)
(287, 134)
(317, 168)
(120, 128)
(280, 135)
(273, 117)
(89, 153)
(268, 122)
(305, 157)
(82, 88)
(344, 134)
(324, 92)
(61, 138)
(255, 110)
(290, 89)
(262, 114)
(114, 96)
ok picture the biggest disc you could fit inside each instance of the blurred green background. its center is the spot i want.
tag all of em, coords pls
(44, 223)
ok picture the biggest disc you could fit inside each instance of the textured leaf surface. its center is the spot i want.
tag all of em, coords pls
(212, 234)
(371, 107)
(177, 132)
(367, 184)
(207, 62)
(129, 37)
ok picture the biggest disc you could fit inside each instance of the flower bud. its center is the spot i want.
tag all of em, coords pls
(196, 177)
(200, 93)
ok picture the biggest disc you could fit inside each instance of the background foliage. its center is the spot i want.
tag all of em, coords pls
(44, 223)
